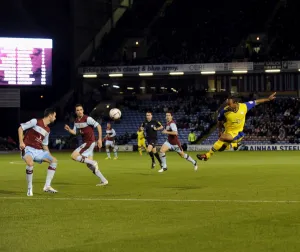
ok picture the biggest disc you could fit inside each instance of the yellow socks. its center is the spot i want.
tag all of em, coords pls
(217, 146)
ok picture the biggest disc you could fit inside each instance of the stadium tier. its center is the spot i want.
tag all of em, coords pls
(223, 33)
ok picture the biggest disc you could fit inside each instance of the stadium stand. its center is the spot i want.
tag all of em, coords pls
(284, 45)
(196, 115)
(170, 37)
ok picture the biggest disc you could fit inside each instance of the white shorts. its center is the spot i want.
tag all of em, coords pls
(176, 148)
(110, 143)
(36, 154)
(86, 150)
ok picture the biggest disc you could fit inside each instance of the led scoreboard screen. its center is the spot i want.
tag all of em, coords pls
(25, 61)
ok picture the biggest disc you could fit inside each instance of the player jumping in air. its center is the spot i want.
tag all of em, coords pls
(232, 118)
(141, 140)
(34, 147)
(151, 127)
(110, 142)
(173, 144)
(84, 153)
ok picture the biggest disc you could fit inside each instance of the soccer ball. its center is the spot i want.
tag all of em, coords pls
(115, 114)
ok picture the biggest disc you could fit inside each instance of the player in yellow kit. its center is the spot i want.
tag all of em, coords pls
(141, 140)
(232, 119)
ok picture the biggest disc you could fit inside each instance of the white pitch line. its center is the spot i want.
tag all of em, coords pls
(155, 200)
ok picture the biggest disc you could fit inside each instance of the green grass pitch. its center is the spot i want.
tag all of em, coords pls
(237, 201)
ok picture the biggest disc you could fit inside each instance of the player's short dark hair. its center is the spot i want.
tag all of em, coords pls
(169, 112)
(234, 98)
(78, 105)
(149, 112)
(49, 111)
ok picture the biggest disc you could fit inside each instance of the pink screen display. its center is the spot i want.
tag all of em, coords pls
(25, 61)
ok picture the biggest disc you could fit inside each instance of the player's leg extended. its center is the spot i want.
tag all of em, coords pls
(220, 145)
(187, 158)
(166, 146)
(52, 161)
(149, 150)
(236, 143)
(115, 150)
(29, 173)
(97, 172)
(156, 154)
(78, 156)
(140, 146)
(107, 147)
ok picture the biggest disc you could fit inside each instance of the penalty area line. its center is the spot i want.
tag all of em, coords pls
(155, 200)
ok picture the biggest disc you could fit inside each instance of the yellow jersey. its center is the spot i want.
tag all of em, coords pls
(141, 135)
(235, 121)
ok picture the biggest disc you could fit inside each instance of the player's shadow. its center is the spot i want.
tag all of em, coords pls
(8, 192)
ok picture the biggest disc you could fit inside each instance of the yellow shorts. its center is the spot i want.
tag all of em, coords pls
(142, 142)
(236, 135)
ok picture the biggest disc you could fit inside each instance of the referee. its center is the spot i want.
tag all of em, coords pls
(150, 128)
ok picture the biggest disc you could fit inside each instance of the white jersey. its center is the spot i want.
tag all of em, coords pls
(110, 134)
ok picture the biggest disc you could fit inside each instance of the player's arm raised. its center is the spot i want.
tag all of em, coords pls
(270, 98)
(71, 131)
(22, 128)
(252, 104)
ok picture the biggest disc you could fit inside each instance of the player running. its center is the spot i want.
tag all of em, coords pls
(110, 142)
(232, 118)
(84, 153)
(34, 148)
(141, 140)
(173, 144)
(151, 127)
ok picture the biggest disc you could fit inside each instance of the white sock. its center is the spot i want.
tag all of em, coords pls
(108, 153)
(100, 175)
(188, 158)
(50, 173)
(85, 160)
(163, 160)
(116, 153)
(29, 175)
(97, 173)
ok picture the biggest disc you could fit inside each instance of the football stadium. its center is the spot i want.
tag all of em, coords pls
(149, 125)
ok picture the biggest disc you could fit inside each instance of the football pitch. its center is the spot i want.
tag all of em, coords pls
(237, 201)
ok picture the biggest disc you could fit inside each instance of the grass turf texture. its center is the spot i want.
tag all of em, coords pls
(242, 205)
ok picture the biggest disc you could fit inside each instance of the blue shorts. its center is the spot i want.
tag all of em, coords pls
(86, 149)
(36, 154)
(172, 147)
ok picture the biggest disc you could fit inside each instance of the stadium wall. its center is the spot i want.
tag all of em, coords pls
(247, 147)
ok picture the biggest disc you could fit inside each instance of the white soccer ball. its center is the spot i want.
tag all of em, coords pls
(115, 114)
